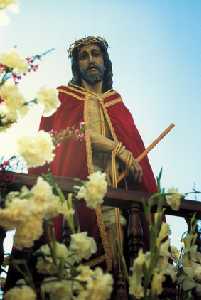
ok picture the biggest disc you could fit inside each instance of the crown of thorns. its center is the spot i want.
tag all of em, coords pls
(87, 41)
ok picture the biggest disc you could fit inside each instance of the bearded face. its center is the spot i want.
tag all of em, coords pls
(91, 64)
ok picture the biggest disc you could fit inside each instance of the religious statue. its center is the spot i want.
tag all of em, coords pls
(111, 142)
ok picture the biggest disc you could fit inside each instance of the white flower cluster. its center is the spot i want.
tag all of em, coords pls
(98, 284)
(14, 61)
(4, 6)
(13, 105)
(48, 98)
(45, 263)
(82, 245)
(6, 3)
(57, 289)
(173, 198)
(26, 210)
(94, 190)
(12, 102)
(143, 264)
(190, 278)
(81, 284)
(6, 117)
(88, 285)
(36, 149)
(20, 293)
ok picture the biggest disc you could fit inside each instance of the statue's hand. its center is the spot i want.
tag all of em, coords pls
(136, 169)
(134, 166)
(101, 143)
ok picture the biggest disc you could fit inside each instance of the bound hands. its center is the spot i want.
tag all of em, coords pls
(133, 165)
(104, 144)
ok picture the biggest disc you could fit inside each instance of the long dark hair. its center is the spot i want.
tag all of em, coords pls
(107, 79)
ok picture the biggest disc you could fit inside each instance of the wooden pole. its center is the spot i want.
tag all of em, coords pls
(155, 142)
(149, 148)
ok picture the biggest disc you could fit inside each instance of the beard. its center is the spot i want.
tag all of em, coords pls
(92, 77)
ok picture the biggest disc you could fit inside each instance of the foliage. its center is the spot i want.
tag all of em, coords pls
(63, 276)
(163, 263)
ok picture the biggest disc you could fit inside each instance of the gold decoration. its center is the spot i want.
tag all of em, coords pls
(113, 102)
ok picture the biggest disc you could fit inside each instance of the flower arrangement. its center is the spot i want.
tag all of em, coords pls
(188, 264)
(61, 268)
(93, 190)
(5, 3)
(64, 275)
(39, 148)
(5, 7)
(32, 210)
(12, 102)
(164, 264)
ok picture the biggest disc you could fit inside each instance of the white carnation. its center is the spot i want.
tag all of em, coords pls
(20, 216)
(20, 293)
(14, 61)
(197, 272)
(7, 118)
(85, 273)
(57, 289)
(29, 231)
(100, 287)
(174, 198)
(94, 190)
(82, 245)
(42, 189)
(48, 98)
(5, 3)
(44, 199)
(37, 149)
(61, 250)
(13, 99)
(25, 211)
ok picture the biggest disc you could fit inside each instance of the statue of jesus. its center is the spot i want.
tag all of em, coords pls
(110, 144)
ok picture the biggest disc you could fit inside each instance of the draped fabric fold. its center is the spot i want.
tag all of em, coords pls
(73, 158)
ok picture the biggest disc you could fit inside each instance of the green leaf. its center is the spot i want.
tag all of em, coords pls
(158, 179)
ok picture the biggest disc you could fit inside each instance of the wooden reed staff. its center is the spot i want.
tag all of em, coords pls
(149, 148)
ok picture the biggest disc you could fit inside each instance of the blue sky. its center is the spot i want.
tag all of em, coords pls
(155, 48)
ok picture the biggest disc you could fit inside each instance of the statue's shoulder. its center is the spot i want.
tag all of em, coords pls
(112, 92)
(70, 92)
(112, 97)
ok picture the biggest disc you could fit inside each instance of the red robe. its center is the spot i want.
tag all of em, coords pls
(73, 158)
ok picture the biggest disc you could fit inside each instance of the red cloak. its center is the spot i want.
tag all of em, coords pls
(73, 158)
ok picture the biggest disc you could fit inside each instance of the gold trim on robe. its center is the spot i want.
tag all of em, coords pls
(79, 93)
(100, 223)
(112, 102)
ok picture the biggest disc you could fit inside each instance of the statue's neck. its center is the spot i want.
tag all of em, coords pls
(95, 88)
